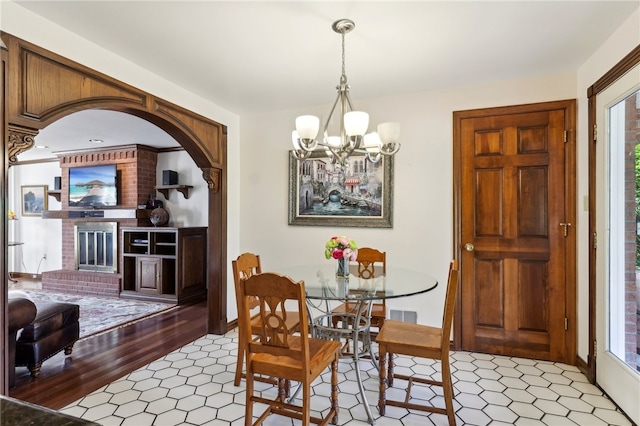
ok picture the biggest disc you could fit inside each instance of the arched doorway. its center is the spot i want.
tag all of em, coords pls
(70, 87)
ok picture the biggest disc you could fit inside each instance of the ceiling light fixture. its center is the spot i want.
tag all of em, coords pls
(353, 125)
(96, 140)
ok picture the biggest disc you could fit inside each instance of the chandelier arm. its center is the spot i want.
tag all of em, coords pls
(390, 149)
(301, 154)
(325, 132)
(308, 145)
(347, 103)
(374, 158)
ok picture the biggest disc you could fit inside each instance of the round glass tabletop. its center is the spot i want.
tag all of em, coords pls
(321, 283)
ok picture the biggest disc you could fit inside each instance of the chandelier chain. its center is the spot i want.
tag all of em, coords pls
(343, 56)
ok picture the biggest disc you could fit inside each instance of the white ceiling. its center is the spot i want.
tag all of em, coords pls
(250, 57)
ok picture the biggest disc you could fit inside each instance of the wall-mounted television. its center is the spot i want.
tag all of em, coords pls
(93, 186)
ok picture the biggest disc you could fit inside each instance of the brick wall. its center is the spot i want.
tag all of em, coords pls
(136, 167)
(632, 137)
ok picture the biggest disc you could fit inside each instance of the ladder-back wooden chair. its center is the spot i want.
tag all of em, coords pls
(422, 341)
(371, 263)
(246, 265)
(279, 353)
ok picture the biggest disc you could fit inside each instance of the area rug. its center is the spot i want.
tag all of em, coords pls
(99, 314)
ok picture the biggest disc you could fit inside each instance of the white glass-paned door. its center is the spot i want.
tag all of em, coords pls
(618, 236)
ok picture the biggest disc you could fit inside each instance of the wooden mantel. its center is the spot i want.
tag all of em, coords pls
(114, 213)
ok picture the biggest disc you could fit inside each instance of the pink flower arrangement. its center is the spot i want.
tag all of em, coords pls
(341, 247)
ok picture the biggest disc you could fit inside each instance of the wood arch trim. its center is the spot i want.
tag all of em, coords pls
(42, 87)
(20, 140)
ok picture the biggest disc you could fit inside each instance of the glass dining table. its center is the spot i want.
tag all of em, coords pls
(323, 289)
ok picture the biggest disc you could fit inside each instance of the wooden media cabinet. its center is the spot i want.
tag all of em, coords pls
(164, 264)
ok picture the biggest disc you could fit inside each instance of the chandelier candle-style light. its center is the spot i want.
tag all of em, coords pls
(353, 136)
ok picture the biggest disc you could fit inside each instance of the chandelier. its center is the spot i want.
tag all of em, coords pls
(353, 137)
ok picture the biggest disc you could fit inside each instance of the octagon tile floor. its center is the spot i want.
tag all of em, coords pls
(194, 386)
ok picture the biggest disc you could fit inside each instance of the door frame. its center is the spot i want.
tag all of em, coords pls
(627, 63)
(570, 209)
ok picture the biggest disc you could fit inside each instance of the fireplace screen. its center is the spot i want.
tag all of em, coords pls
(96, 246)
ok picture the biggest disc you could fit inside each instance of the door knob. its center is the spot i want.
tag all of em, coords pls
(469, 247)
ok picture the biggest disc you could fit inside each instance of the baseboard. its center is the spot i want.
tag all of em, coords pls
(25, 275)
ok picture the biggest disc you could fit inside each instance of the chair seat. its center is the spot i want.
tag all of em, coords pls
(411, 339)
(50, 318)
(55, 328)
(320, 354)
(378, 312)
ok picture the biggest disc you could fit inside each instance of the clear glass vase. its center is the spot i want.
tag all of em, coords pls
(342, 268)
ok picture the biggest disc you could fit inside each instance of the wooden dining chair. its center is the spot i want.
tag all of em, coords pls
(422, 341)
(246, 265)
(279, 353)
(371, 263)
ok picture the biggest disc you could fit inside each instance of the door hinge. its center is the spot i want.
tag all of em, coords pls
(566, 136)
(595, 133)
(566, 323)
(595, 240)
(595, 349)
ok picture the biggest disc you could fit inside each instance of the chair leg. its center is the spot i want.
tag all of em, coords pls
(35, 369)
(334, 391)
(248, 411)
(68, 349)
(382, 372)
(239, 362)
(287, 388)
(447, 388)
(390, 374)
(306, 403)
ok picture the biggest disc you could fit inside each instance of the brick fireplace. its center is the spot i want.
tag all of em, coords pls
(136, 169)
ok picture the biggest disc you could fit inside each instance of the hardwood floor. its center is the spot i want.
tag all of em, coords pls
(97, 361)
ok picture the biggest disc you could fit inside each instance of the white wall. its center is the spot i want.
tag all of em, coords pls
(40, 236)
(423, 189)
(183, 211)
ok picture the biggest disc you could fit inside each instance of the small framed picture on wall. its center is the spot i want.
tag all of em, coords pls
(34, 199)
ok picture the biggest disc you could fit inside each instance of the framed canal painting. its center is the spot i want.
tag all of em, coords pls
(321, 194)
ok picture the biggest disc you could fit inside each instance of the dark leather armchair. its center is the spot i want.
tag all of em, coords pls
(22, 312)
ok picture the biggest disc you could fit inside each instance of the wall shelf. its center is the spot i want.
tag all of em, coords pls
(164, 190)
(55, 193)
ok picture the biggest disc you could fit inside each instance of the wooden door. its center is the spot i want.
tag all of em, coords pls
(516, 230)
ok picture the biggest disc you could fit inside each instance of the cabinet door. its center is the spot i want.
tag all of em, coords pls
(149, 275)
